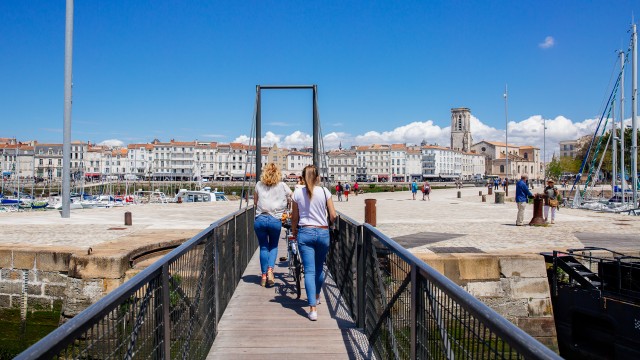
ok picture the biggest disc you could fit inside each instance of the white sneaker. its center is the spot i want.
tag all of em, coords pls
(313, 315)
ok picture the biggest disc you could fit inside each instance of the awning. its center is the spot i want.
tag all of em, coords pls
(383, 176)
(449, 176)
(430, 176)
(92, 174)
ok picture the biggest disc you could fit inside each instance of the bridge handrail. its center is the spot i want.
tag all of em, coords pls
(81, 326)
(409, 310)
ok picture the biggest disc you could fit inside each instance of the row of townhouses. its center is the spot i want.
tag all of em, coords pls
(193, 160)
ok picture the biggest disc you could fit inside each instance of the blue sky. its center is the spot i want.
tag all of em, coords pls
(387, 71)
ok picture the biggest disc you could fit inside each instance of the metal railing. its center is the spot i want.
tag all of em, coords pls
(410, 311)
(169, 310)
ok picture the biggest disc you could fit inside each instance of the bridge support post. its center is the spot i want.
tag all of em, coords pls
(360, 288)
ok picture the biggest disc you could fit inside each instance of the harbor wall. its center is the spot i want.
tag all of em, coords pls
(515, 286)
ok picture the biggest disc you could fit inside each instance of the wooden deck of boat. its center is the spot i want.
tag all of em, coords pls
(270, 323)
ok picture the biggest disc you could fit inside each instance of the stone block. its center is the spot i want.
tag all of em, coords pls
(5, 259)
(56, 291)
(16, 300)
(34, 289)
(39, 303)
(5, 301)
(11, 274)
(537, 327)
(10, 287)
(79, 294)
(110, 284)
(435, 263)
(479, 268)
(523, 266)
(24, 260)
(525, 288)
(485, 289)
(94, 267)
(52, 277)
(53, 261)
(511, 309)
(540, 307)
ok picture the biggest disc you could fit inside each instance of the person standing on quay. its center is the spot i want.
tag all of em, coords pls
(311, 213)
(271, 198)
(426, 189)
(522, 196)
(414, 188)
(347, 187)
(550, 201)
(339, 191)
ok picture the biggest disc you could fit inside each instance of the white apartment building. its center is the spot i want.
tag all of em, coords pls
(398, 156)
(342, 165)
(140, 159)
(569, 148)
(441, 163)
(414, 163)
(373, 163)
(296, 162)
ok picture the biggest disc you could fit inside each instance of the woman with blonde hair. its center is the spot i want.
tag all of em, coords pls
(311, 208)
(271, 198)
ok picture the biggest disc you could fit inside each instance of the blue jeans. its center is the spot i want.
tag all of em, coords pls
(267, 230)
(314, 245)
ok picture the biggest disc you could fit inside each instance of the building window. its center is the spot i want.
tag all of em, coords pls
(501, 168)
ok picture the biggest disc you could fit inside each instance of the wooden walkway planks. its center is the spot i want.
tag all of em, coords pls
(270, 323)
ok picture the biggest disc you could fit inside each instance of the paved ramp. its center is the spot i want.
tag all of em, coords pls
(270, 323)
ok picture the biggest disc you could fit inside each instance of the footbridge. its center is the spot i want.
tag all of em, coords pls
(203, 301)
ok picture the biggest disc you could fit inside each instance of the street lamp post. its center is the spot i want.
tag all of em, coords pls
(544, 149)
(506, 140)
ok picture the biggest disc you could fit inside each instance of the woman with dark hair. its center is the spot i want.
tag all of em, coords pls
(312, 211)
(271, 198)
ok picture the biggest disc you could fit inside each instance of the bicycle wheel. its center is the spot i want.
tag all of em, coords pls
(298, 276)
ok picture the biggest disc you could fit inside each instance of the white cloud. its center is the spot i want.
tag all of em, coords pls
(412, 133)
(112, 143)
(279, 123)
(548, 43)
(528, 131)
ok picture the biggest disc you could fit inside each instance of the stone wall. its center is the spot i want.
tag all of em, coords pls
(43, 275)
(515, 286)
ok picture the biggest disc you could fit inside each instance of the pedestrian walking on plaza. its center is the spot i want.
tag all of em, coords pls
(426, 190)
(355, 188)
(522, 196)
(271, 198)
(550, 201)
(311, 215)
(496, 183)
(414, 189)
(504, 184)
(339, 191)
(347, 187)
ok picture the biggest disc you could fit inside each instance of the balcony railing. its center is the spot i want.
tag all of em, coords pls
(170, 310)
(410, 311)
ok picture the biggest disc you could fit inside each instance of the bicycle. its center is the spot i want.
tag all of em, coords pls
(296, 270)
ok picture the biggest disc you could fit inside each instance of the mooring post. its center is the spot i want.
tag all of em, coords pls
(127, 218)
(370, 211)
(538, 219)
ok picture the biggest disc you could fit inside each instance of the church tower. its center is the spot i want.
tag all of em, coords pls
(461, 129)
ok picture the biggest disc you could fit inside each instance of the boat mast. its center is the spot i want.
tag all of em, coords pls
(634, 121)
(614, 150)
(506, 135)
(623, 180)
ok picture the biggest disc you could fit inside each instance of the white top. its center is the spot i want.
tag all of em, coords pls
(312, 211)
(272, 200)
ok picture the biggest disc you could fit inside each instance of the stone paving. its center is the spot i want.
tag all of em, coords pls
(467, 222)
(443, 222)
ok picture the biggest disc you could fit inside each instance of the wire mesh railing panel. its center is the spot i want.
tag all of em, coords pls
(342, 263)
(410, 311)
(446, 330)
(225, 250)
(169, 310)
(130, 329)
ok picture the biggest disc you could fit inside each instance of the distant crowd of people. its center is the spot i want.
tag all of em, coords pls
(343, 190)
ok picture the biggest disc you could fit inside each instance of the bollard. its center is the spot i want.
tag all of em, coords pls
(537, 218)
(179, 200)
(127, 218)
(499, 197)
(370, 211)
(459, 194)
(490, 190)
(480, 193)
(484, 198)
